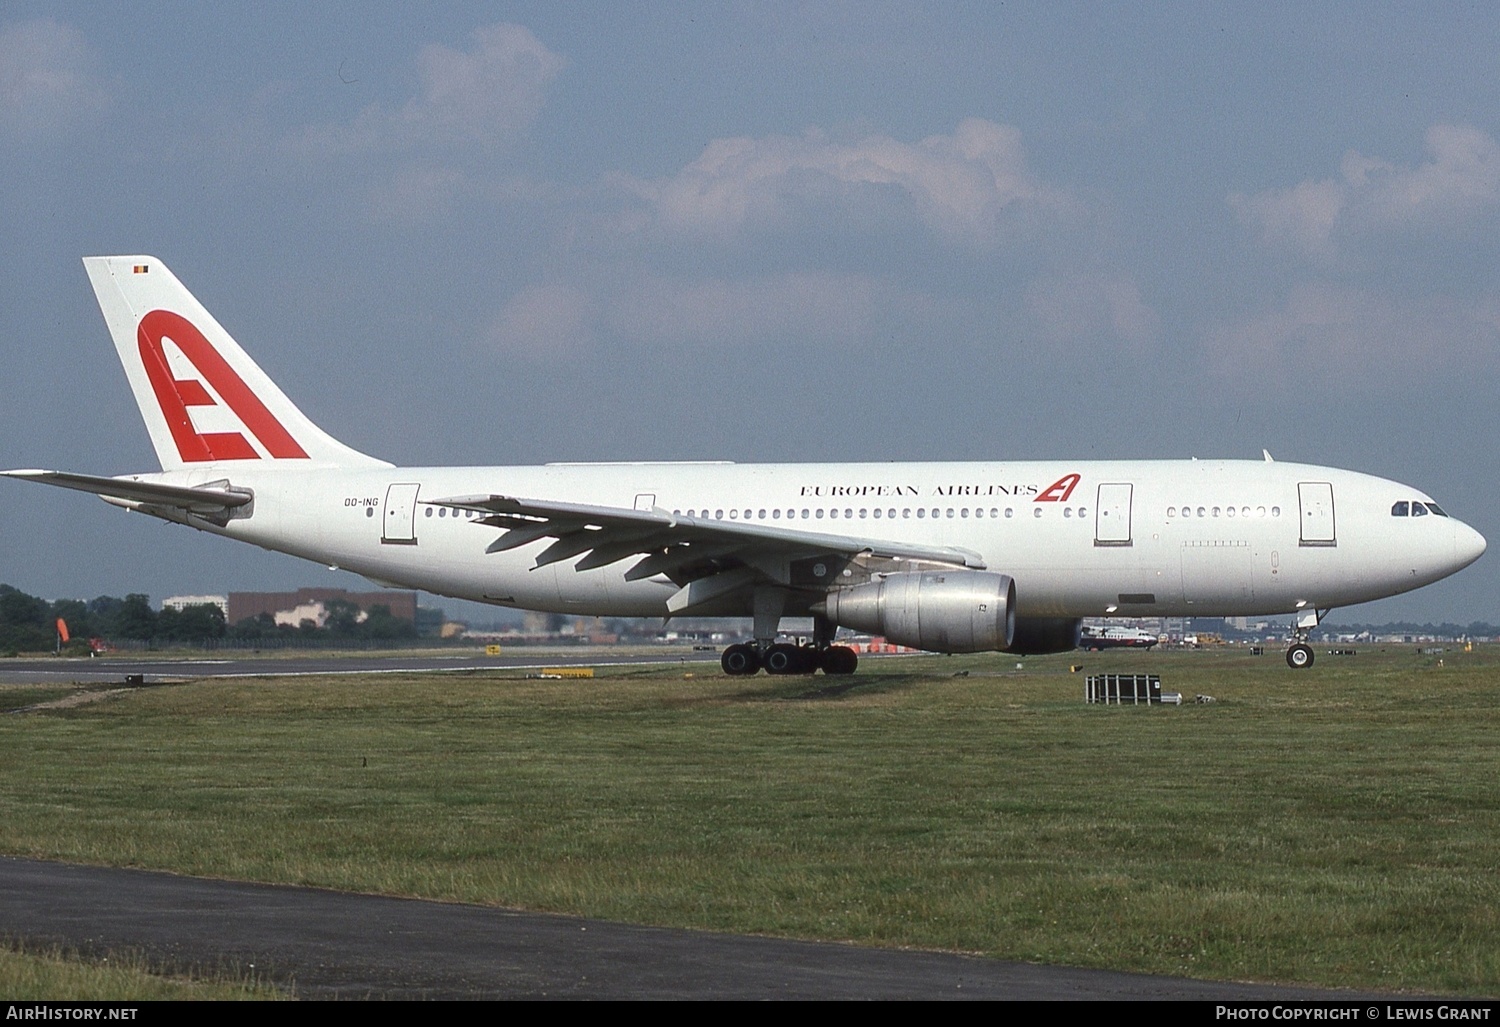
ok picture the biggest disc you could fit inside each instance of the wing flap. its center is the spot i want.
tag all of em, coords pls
(670, 542)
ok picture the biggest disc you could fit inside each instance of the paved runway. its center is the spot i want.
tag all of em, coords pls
(328, 944)
(114, 668)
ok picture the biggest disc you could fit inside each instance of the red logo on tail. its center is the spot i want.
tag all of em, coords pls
(175, 395)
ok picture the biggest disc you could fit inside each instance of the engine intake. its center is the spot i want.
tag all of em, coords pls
(1036, 636)
(940, 611)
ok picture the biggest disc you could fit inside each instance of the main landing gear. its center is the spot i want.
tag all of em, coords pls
(1299, 655)
(746, 658)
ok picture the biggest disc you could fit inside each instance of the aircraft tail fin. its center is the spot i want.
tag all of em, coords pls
(204, 401)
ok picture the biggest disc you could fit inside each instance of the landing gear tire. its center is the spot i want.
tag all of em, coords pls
(1299, 656)
(839, 659)
(740, 660)
(785, 658)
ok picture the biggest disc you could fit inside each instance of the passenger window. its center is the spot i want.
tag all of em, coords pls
(1399, 510)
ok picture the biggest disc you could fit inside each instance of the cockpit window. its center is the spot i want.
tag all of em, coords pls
(1435, 509)
(1399, 510)
(1418, 510)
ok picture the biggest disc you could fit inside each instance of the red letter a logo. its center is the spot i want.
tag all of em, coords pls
(175, 395)
(1059, 490)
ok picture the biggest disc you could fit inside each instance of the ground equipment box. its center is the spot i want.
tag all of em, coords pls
(1131, 689)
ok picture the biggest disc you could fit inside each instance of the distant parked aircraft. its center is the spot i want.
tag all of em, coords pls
(1115, 638)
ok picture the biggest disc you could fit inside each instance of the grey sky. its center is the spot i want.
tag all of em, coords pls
(515, 233)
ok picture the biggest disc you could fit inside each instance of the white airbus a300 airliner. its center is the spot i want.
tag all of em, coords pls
(949, 557)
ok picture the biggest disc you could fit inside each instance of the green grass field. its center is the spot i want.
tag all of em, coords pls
(1339, 826)
(51, 974)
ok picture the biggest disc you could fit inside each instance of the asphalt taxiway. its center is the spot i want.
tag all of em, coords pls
(326, 944)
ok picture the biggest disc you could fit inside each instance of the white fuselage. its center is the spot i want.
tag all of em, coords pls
(1127, 538)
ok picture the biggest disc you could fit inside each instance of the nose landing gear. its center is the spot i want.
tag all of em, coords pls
(1299, 654)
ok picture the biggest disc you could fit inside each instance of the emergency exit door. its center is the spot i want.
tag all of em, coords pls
(399, 525)
(1316, 501)
(1112, 514)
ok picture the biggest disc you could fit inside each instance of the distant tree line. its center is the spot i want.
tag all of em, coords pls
(28, 623)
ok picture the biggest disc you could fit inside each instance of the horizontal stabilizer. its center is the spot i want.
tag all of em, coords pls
(202, 499)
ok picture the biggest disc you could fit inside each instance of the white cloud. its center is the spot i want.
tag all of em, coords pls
(654, 313)
(44, 79)
(543, 322)
(1460, 178)
(1091, 308)
(483, 96)
(960, 185)
(811, 308)
(1351, 337)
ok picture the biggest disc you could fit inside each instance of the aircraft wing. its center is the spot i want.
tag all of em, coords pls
(212, 498)
(709, 558)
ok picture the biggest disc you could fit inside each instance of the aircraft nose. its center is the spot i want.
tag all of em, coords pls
(1468, 545)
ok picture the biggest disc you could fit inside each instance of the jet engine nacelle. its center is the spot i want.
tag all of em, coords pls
(1036, 636)
(940, 611)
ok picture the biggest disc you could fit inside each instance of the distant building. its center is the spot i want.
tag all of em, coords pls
(311, 604)
(178, 603)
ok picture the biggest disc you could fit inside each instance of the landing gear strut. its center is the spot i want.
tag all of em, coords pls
(1299, 655)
